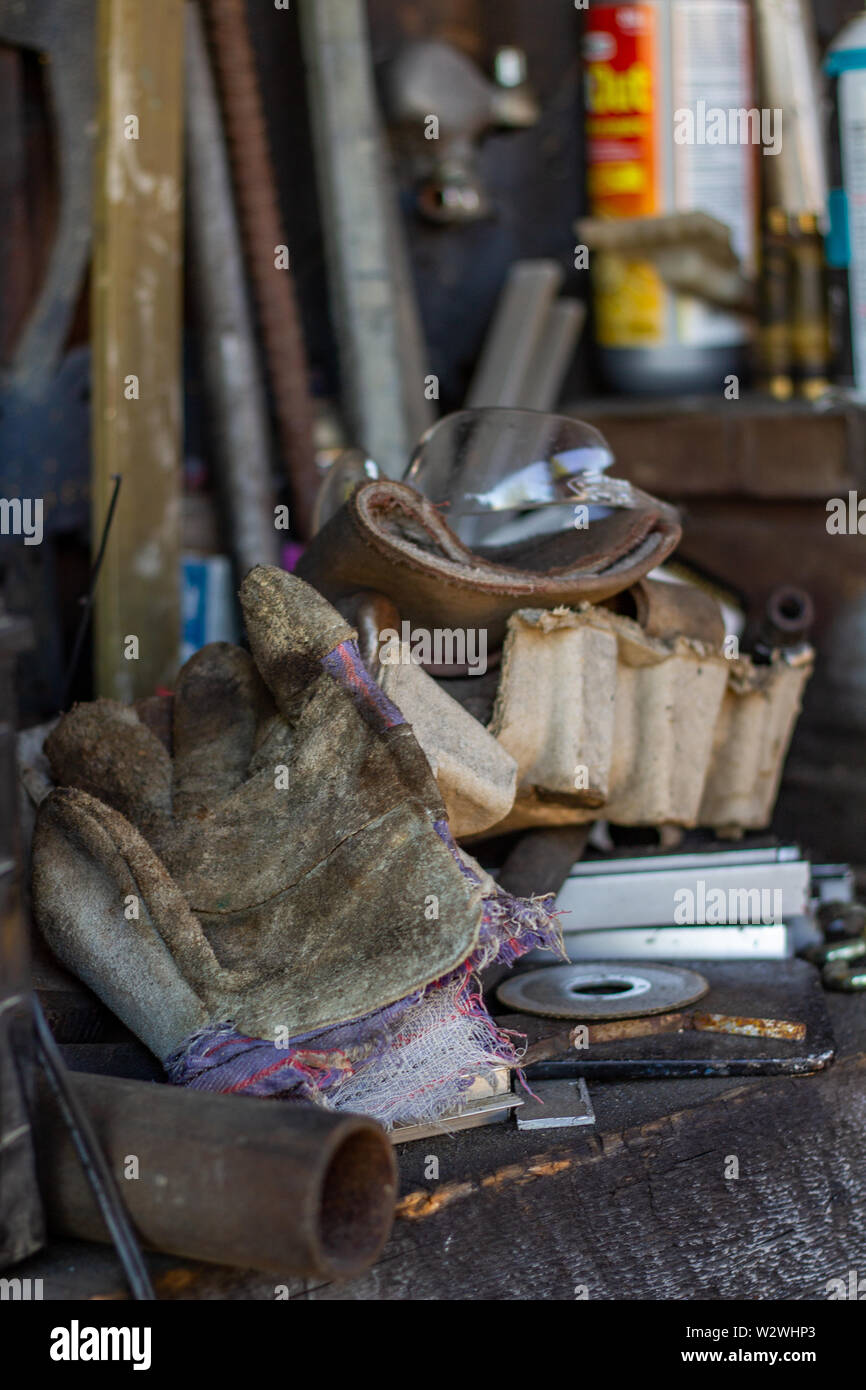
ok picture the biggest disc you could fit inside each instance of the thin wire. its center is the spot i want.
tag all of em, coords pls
(88, 602)
(93, 1160)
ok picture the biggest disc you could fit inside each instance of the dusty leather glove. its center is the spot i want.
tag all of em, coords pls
(280, 861)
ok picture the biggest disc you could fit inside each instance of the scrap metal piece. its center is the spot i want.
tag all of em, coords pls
(846, 975)
(597, 990)
(263, 235)
(230, 1179)
(841, 921)
(360, 231)
(835, 952)
(87, 605)
(100, 1178)
(747, 1027)
(850, 978)
(833, 883)
(483, 1112)
(557, 1105)
(770, 990)
(638, 891)
(489, 1100)
(237, 407)
(546, 1041)
(789, 615)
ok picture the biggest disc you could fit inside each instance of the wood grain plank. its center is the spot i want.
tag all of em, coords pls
(136, 305)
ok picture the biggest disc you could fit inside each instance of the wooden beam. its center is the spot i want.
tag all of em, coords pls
(686, 447)
(136, 372)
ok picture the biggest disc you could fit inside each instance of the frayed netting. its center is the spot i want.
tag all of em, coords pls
(441, 1044)
(408, 1063)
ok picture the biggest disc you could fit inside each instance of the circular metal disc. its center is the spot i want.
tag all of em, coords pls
(603, 990)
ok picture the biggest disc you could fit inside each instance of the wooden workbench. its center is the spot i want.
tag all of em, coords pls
(637, 1207)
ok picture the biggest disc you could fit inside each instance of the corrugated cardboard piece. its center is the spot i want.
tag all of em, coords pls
(604, 720)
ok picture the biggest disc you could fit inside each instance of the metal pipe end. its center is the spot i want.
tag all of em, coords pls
(356, 1201)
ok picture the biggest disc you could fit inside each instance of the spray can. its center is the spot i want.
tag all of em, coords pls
(668, 83)
(845, 63)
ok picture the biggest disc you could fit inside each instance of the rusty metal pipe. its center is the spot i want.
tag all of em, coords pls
(259, 1184)
(262, 231)
(238, 425)
(790, 614)
(546, 1039)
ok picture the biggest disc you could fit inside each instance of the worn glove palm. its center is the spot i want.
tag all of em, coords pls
(282, 862)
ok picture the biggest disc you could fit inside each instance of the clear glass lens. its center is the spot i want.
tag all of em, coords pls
(350, 467)
(506, 475)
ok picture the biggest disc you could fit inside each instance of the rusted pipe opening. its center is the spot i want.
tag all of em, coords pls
(356, 1206)
(790, 609)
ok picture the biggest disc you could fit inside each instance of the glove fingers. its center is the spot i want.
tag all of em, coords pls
(219, 704)
(103, 902)
(104, 749)
(290, 628)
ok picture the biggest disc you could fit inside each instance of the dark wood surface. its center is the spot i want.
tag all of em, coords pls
(638, 1207)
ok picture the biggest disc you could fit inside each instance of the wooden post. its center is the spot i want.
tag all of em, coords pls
(136, 371)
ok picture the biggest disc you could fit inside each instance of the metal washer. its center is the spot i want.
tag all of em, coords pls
(589, 990)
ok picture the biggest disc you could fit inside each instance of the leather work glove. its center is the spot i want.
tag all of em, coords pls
(273, 874)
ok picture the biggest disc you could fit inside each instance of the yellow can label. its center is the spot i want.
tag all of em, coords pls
(620, 44)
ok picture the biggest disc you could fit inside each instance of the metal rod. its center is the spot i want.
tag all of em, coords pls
(263, 233)
(96, 1170)
(88, 602)
(237, 409)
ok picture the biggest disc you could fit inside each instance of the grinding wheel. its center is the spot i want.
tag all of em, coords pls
(603, 990)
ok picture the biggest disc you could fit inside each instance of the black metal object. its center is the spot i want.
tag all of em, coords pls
(786, 622)
(91, 590)
(97, 1171)
(842, 957)
(773, 989)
